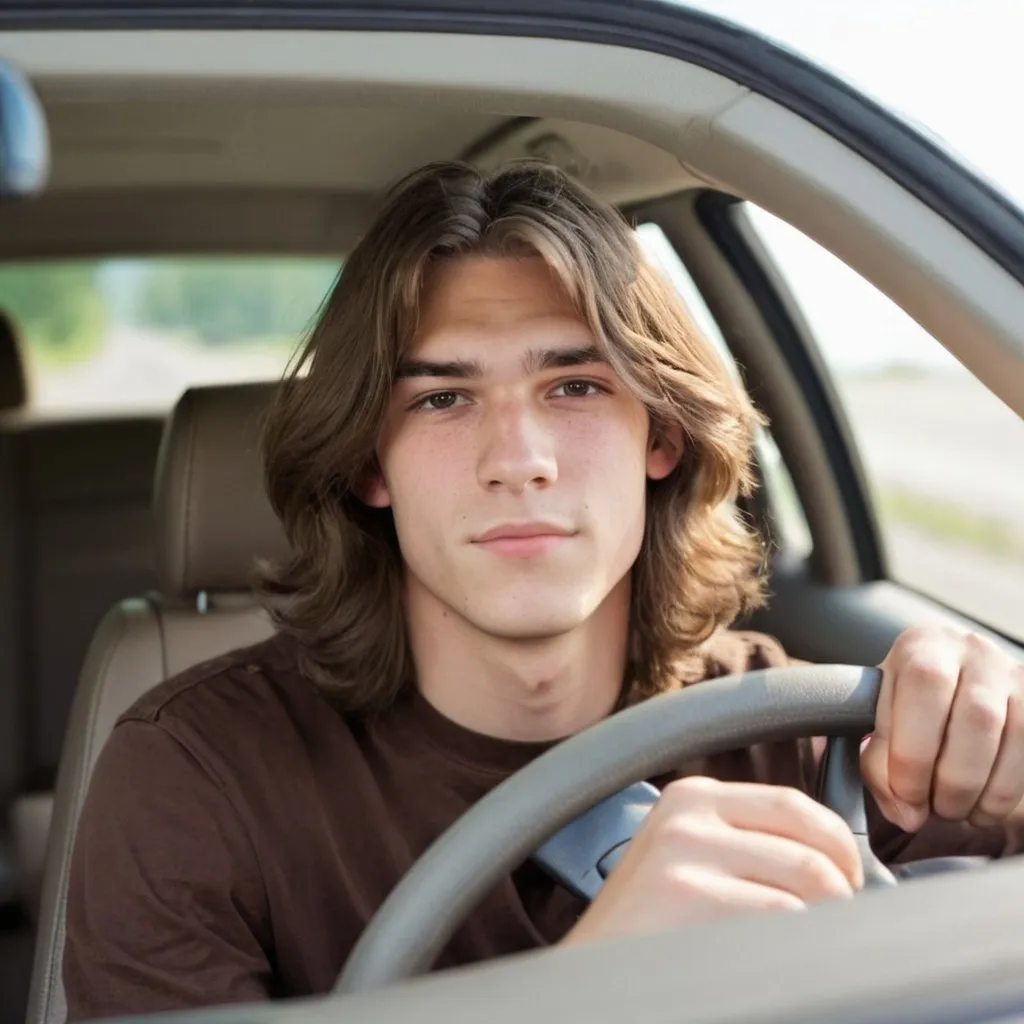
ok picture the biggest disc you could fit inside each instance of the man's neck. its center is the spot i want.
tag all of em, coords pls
(527, 690)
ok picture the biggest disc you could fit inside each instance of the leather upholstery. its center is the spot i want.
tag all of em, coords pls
(214, 520)
(212, 513)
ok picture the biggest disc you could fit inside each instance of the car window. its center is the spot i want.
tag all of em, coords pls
(942, 454)
(110, 334)
(790, 534)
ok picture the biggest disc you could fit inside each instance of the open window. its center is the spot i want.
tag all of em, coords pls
(942, 455)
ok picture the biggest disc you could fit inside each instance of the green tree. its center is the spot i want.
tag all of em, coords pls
(222, 301)
(57, 307)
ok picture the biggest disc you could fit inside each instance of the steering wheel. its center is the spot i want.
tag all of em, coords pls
(503, 829)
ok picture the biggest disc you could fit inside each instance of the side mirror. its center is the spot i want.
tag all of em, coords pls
(24, 138)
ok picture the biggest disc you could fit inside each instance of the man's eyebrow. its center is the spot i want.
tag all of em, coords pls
(535, 361)
(462, 368)
(555, 358)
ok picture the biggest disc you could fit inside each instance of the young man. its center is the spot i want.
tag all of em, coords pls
(506, 477)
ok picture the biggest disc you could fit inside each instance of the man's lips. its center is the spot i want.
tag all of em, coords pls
(523, 539)
(515, 531)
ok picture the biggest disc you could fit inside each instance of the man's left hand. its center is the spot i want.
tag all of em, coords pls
(949, 731)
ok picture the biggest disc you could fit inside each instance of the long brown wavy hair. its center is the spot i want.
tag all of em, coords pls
(340, 594)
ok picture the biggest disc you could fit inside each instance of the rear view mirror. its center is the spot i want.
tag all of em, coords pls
(24, 139)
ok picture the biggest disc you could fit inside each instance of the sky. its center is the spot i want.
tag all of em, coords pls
(951, 66)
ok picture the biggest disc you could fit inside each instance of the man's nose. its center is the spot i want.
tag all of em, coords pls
(517, 450)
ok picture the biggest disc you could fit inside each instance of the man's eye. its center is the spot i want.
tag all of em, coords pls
(438, 401)
(578, 389)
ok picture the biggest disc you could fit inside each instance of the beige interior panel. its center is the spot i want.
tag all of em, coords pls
(166, 221)
(190, 142)
(622, 168)
(238, 141)
(353, 110)
(644, 94)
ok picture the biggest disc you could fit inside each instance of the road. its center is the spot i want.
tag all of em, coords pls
(943, 437)
(948, 439)
(989, 589)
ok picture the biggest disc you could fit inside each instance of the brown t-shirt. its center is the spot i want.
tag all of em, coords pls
(240, 832)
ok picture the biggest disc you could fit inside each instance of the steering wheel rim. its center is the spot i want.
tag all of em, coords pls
(498, 833)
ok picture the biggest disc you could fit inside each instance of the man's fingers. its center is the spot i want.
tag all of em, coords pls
(770, 860)
(943, 739)
(926, 676)
(874, 770)
(973, 735)
(719, 892)
(1004, 790)
(778, 811)
(874, 753)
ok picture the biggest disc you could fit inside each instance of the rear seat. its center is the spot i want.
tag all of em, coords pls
(83, 526)
(75, 538)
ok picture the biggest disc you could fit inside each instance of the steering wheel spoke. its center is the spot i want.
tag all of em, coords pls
(581, 855)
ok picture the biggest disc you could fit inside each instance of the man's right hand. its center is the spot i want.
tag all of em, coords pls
(710, 848)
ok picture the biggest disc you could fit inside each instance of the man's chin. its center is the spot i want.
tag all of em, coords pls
(537, 626)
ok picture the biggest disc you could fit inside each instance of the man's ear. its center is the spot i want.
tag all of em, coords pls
(371, 488)
(664, 450)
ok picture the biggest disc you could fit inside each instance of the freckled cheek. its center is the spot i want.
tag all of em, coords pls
(606, 461)
(429, 467)
(606, 455)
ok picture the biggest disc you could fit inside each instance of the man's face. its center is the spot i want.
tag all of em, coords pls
(514, 460)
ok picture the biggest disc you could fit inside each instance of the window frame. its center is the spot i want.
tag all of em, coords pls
(734, 231)
(724, 218)
(775, 351)
(789, 544)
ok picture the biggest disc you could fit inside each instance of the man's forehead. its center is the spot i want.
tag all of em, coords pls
(497, 338)
(483, 291)
(484, 313)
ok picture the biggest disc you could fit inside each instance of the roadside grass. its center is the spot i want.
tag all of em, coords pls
(948, 521)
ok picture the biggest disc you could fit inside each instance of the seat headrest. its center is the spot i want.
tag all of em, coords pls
(13, 384)
(213, 518)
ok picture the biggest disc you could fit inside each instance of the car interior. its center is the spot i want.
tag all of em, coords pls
(127, 535)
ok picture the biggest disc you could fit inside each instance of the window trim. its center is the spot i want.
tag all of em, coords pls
(724, 220)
